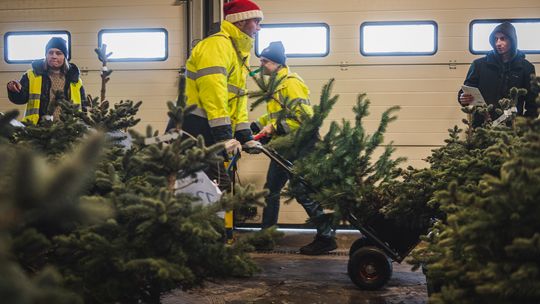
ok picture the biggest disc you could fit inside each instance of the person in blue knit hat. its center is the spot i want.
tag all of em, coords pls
(292, 88)
(275, 52)
(49, 79)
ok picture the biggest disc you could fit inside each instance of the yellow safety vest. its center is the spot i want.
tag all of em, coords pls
(216, 78)
(31, 113)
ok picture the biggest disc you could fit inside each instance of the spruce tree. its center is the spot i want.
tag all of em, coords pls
(486, 248)
(297, 143)
(125, 236)
(54, 137)
(464, 159)
(157, 240)
(342, 169)
(339, 167)
(39, 200)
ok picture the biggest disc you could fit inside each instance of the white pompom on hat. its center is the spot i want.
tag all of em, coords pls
(239, 10)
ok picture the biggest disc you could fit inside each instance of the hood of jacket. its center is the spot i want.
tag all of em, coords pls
(243, 42)
(509, 31)
(73, 73)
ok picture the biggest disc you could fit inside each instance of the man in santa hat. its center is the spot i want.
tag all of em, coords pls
(216, 75)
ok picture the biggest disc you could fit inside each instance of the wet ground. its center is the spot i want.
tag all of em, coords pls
(289, 278)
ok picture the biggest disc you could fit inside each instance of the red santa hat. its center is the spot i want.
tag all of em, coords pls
(239, 10)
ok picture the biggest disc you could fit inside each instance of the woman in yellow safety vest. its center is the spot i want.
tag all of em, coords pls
(48, 79)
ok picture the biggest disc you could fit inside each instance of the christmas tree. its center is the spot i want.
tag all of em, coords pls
(109, 218)
(482, 187)
(54, 137)
(39, 200)
(342, 168)
(485, 249)
(339, 168)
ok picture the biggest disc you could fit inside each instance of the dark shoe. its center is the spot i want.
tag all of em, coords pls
(319, 246)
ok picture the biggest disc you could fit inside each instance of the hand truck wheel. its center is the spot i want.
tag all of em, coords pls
(369, 268)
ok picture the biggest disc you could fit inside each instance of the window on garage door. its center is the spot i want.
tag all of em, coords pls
(26, 46)
(398, 38)
(528, 33)
(149, 44)
(299, 39)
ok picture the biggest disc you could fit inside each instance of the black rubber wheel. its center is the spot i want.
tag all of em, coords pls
(369, 268)
(361, 242)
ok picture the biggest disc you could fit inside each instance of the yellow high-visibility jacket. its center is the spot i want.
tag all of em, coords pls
(293, 88)
(216, 83)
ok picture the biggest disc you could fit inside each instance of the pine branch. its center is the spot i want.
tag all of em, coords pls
(268, 88)
(101, 116)
(340, 167)
(297, 143)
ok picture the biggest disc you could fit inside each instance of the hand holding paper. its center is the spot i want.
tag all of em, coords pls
(478, 99)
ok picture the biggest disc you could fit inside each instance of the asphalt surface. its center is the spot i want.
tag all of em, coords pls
(289, 278)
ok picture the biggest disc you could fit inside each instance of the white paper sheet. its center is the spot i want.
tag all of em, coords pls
(475, 92)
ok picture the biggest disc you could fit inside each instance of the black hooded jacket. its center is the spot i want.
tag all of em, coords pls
(38, 67)
(495, 78)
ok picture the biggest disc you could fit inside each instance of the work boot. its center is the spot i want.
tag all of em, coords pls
(319, 246)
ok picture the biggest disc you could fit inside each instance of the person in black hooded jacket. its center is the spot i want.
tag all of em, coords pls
(500, 70)
(48, 79)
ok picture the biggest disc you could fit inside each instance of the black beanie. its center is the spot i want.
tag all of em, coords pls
(57, 43)
(275, 52)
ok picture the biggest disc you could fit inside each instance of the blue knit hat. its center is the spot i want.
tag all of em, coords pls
(57, 43)
(275, 52)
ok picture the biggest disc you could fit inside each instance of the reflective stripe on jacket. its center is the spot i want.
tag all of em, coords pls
(293, 88)
(216, 81)
(31, 113)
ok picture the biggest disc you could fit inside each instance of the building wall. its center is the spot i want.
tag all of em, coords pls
(424, 86)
